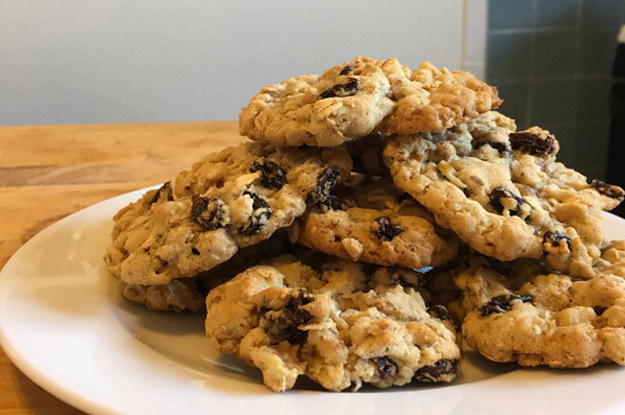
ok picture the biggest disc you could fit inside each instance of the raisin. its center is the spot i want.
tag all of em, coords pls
(326, 181)
(440, 312)
(608, 190)
(555, 239)
(208, 212)
(333, 203)
(532, 143)
(342, 90)
(272, 175)
(292, 317)
(496, 201)
(599, 309)
(387, 230)
(501, 304)
(499, 146)
(385, 366)
(261, 212)
(164, 192)
(434, 372)
(162, 265)
(347, 69)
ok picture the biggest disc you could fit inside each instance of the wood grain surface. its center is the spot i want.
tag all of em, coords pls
(49, 172)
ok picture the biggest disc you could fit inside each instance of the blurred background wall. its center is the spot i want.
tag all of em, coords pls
(66, 61)
(552, 61)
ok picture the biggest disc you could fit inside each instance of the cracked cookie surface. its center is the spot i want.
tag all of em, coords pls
(543, 319)
(353, 99)
(431, 98)
(228, 200)
(504, 193)
(373, 222)
(342, 325)
(189, 294)
(345, 102)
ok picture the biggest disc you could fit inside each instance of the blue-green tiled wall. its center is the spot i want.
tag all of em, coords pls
(552, 62)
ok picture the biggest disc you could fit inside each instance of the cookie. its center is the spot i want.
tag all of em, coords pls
(504, 193)
(374, 223)
(229, 200)
(342, 325)
(181, 294)
(354, 99)
(544, 319)
(345, 102)
(440, 282)
(612, 260)
(189, 294)
(431, 98)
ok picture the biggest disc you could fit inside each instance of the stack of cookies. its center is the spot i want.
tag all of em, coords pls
(379, 218)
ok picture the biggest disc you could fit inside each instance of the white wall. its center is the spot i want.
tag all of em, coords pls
(69, 61)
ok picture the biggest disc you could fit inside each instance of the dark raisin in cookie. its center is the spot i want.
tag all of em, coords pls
(342, 325)
(509, 199)
(229, 200)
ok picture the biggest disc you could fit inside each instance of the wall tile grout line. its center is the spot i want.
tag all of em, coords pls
(563, 29)
(521, 30)
(530, 86)
(574, 143)
(586, 123)
(573, 76)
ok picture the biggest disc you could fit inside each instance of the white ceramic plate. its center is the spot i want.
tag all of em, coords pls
(64, 324)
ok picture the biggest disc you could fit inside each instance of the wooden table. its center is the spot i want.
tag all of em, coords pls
(48, 172)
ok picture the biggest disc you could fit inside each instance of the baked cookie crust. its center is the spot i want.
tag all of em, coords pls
(372, 222)
(504, 193)
(357, 98)
(341, 325)
(229, 200)
(543, 319)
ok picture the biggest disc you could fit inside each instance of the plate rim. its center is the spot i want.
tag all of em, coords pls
(63, 393)
(66, 393)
